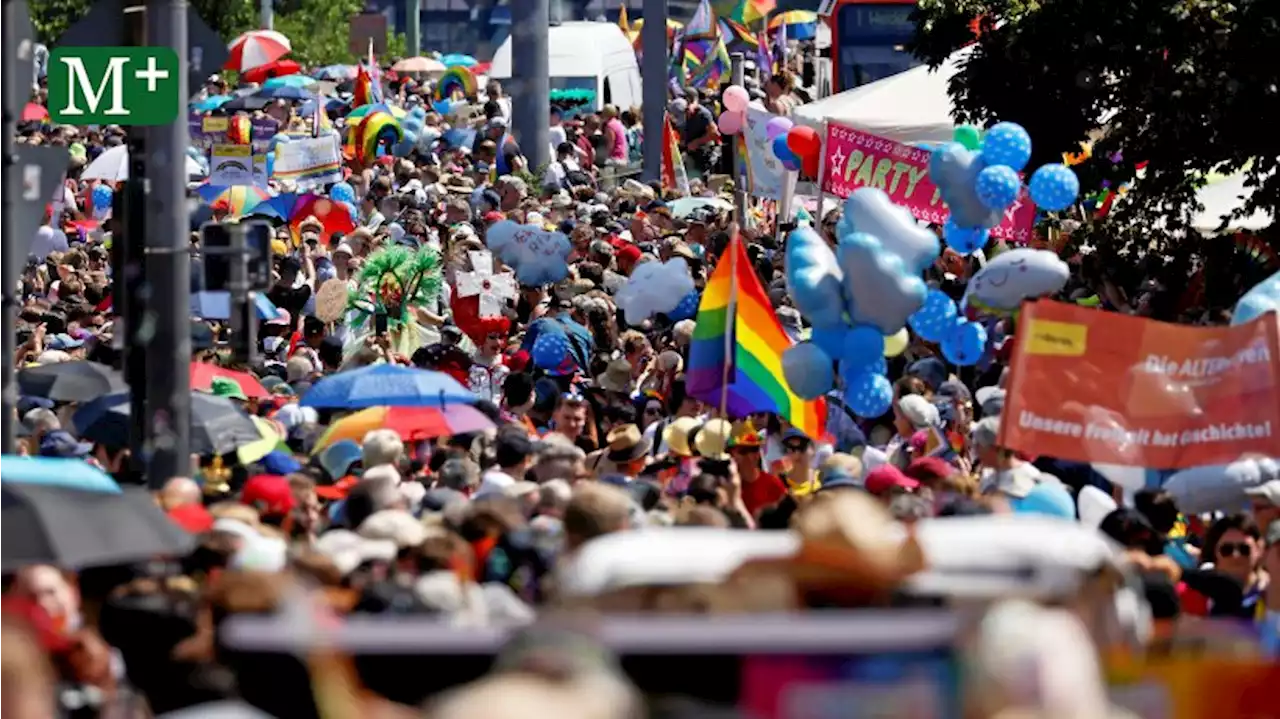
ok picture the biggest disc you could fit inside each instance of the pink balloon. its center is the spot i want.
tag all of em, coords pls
(778, 126)
(736, 98)
(730, 122)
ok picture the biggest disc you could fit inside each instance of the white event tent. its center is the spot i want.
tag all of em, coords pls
(910, 107)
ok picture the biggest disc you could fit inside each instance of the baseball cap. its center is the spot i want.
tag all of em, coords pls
(991, 400)
(1268, 492)
(954, 390)
(886, 477)
(269, 493)
(1048, 498)
(194, 518)
(60, 443)
(338, 458)
(226, 387)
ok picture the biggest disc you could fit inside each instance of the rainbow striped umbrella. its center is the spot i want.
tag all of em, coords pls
(238, 200)
(799, 24)
(793, 17)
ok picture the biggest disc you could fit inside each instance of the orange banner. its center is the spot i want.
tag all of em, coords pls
(1095, 386)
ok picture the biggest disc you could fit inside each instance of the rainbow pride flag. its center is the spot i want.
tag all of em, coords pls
(739, 340)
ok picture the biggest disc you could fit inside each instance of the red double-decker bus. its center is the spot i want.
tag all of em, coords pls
(868, 40)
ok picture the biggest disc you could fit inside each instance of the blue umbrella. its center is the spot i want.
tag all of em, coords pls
(298, 81)
(331, 104)
(284, 92)
(211, 103)
(217, 305)
(458, 59)
(57, 472)
(387, 384)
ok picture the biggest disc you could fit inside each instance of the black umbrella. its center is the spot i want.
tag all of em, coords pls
(218, 426)
(245, 102)
(75, 529)
(70, 381)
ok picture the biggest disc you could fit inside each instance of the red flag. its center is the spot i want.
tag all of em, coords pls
(363, 92)
(673, 172)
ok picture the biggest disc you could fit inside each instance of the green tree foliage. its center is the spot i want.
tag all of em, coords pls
(1189, 86)
(318, 29)
(227, 17)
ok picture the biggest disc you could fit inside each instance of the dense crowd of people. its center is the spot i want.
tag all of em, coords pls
(476, 527)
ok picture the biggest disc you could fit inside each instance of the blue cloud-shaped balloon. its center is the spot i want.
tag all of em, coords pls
(868, 394)
(954, 170)
(411, 131)
(1264, 297)
(537, 256)
(814, 278)
(869, 210)
(879, 288)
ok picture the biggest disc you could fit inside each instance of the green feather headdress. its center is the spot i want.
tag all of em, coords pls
(392, 281)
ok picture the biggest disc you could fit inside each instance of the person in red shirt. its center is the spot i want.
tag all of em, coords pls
(759, 488)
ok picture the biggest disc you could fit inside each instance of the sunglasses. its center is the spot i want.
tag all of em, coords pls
(795, 446)
(1231, 549)
(653, 410)
(497, 336)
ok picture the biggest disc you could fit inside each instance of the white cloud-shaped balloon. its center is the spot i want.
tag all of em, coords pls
(1014, 276)
(654, 288)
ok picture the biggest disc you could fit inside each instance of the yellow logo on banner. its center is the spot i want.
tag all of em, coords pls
(1061, 339)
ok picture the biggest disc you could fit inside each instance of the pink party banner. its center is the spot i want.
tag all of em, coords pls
(857, 159)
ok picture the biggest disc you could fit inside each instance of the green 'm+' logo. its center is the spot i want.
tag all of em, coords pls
(114, 85)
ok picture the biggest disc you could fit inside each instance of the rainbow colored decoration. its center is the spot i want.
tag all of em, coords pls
(377, 129)
(456, 77)
(239, 130)
(739, 340)
(239, 200)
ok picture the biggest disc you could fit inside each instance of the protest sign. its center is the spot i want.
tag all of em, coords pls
(764, 174)
(208, 130)
(231, 165)
(1096, 386)
(859, 159)
(309, 162)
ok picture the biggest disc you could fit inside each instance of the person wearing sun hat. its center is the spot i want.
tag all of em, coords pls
(227, 387)
(760, 489)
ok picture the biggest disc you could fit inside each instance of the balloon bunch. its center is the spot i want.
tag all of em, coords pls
(977, 176)
(1263, 298)
(799, 148)
(734, 118)
(858, 299)
(963, 342)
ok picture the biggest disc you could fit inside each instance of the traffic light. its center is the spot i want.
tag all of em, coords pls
(216, 256)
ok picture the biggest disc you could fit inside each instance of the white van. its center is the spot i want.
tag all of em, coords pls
(585, 56)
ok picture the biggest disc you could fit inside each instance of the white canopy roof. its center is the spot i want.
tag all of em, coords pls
(910, 107)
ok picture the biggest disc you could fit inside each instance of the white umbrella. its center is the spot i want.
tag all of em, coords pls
(257, 47)
(113, 166)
